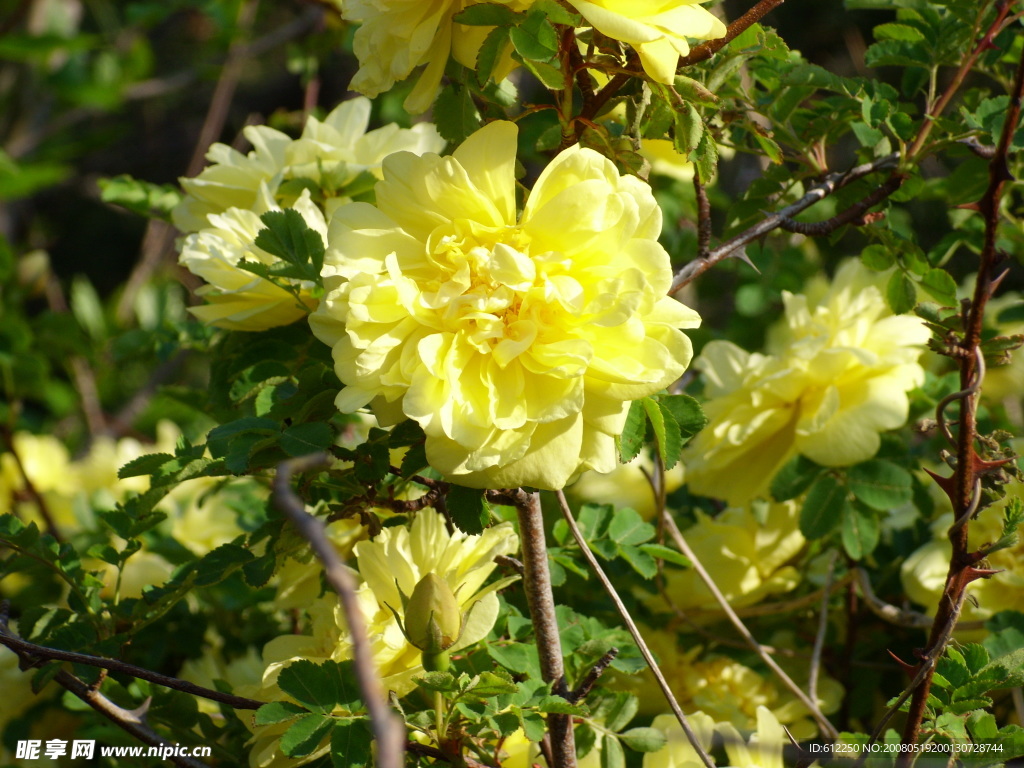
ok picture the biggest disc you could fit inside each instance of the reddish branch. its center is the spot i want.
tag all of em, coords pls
(711, 47)
(963, 487)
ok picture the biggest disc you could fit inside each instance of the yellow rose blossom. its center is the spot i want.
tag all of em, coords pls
(837, 374)
(330, 154)
(657, 29)
(746, 559)
(389, 567)
(237, 299)
(515, 343)
(397, 36)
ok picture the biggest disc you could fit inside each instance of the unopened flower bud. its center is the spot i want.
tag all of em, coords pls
(433, 621)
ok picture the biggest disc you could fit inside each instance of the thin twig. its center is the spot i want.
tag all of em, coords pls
(539, 598)
(122, 421)
(388, 730)
(819, 637)
(830, 184)
(827, 729)
(635, 632)
(711, 47)
(42, 654)
(131, 721)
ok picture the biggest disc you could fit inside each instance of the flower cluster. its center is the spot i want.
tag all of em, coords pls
(515, 342)
(837, 374)
(313, 174)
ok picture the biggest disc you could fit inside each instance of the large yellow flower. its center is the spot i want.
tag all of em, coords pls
(329, 155)
(515, 343)
(838, 373)
(390, 566)
(657, 29)
(397, 36)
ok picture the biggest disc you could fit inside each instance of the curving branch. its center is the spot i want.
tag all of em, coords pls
(388, 730)
(829, 185)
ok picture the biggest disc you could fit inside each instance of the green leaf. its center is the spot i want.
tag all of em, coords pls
(686, 411)
(669, 555)
(517, 658)
(632, 438)
(622, 710)
(612, 755)
(823, 507)
(694, 91)
(140, 197)
(859, 531)
(486, 15)
(705, 158)
(902, 32)
(288, 237)
(549, 75)
(672, 448)
(940, 285)
(556, 13)
(689, 129)
(490, 52)
(627, 527)
(535, 39)
(468, 508)
(305, 735)
(900, 293)
(794, 478)
(351, 744)
(640, 561)
(880, 484)
(644, 739)
(442, 682)
(319, 687)
(878, 257)
(278, 712)
(593, 520)
(144, 465)
(455, 114)
(304, 439)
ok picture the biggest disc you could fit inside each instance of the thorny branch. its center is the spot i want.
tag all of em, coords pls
(40, 654)
(388, 730)
(131, 721)
(539, 598)
(819, 192)
(964, 488)
(635, 632)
